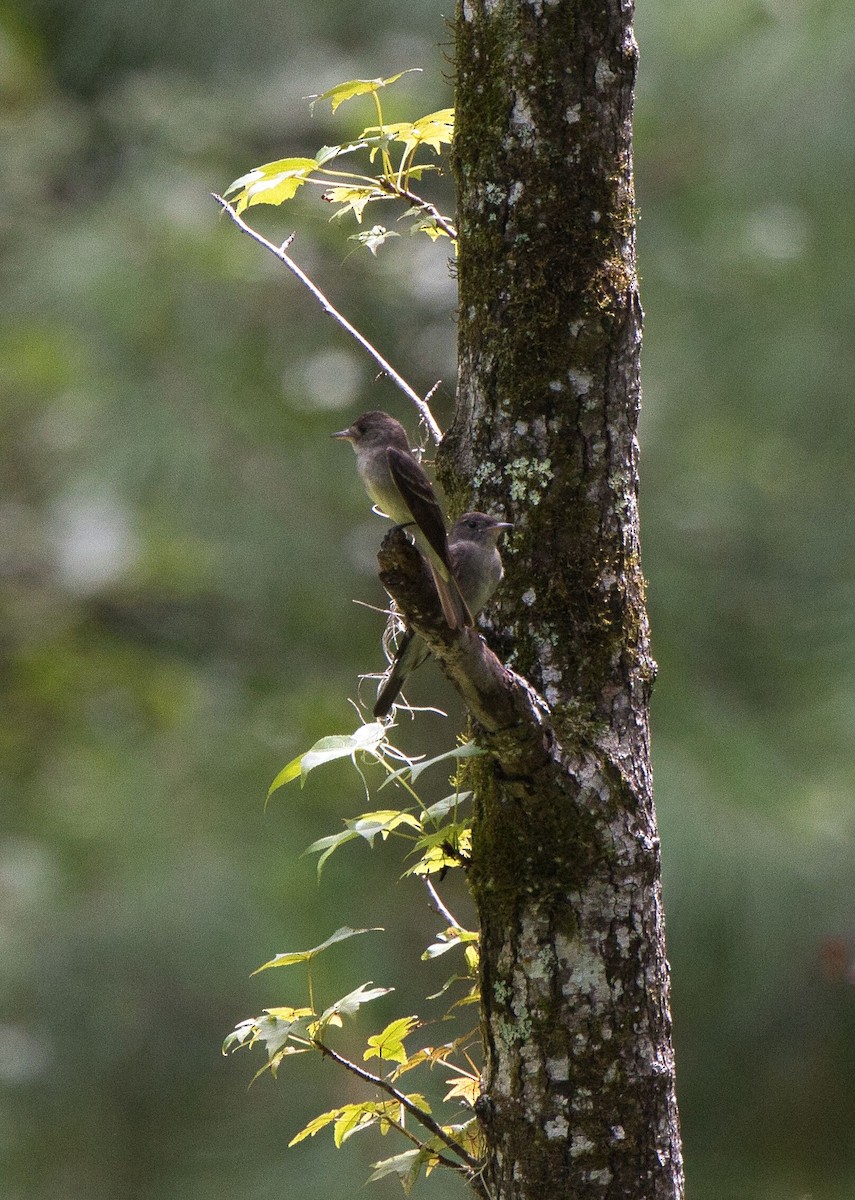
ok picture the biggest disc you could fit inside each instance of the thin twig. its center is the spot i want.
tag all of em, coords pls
(438, 904)
(422, 205)
(446, 1162)
(386, 367)
(419, 1114)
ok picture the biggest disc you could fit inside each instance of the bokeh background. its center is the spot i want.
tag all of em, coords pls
(180, 544)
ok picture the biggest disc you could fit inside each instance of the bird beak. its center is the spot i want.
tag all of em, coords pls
(346, 434)
(503, 525)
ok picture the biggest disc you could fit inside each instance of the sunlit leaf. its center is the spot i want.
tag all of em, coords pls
(396, 1165)
(288, 772)
(389, 1045)
(328, 749)
(413, 1061)
(352, 199)
(366, 739)
(432, 1055)
(426, 224)
(468, 1135)
(455, 835)
(440, 947)
(275, 1061)
(442, 807)
(272, 1029)
(367, 826)
(351, 1118)
(428, 1054)
(239, 1036)
(407, 1166)
(467, 750)
(447, 940)
(356, 87)
(328, 153)
(328, 845)
(351, 1122)
(351, 1003)
(289, 957)
(369, 737)
(273, 1032)
(383, 822)
(419, 169)
(317, 1124)
(271, 183)
(372, 239)
(464, 1089)
(443, 848)
(285, 1013)
(434, 130)
(441, 855)
(384, 135)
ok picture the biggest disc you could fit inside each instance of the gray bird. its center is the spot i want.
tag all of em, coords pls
(474, 554)
(398, 485)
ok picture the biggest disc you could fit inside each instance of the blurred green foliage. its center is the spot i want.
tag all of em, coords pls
(180, 543)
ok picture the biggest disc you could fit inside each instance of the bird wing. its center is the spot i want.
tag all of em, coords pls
(419, 497)
(418, 494)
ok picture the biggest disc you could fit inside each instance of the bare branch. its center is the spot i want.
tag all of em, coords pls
(386, 367)
(424, 206)
(446, 1162)
(445, 913)
(430, 395)
(419, 1114)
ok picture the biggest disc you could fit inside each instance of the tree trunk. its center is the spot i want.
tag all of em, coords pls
(579, 1078)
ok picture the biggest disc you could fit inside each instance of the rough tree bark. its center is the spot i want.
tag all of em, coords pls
(579, 1080)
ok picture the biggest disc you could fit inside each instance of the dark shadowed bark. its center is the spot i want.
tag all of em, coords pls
(579, 1080)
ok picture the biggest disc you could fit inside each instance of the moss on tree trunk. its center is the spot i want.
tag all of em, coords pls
(579, 1081)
